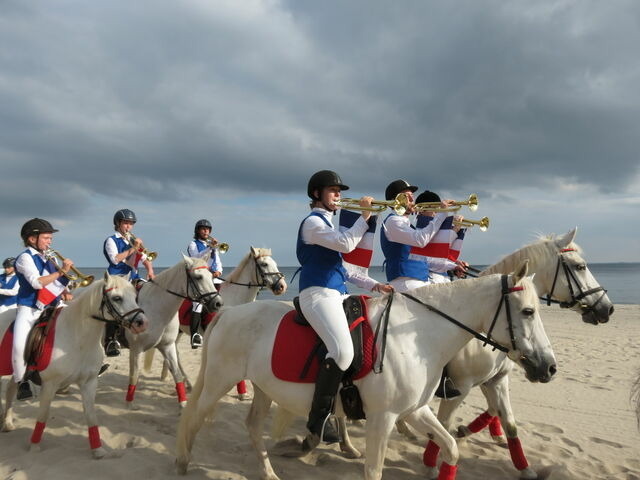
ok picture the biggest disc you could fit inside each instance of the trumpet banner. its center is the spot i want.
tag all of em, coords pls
(360, 258)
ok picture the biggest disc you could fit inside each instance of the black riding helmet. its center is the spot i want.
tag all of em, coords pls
(397, 186)
(428, 196)
(124, 214)
(203, 222)
(35, 226)
(8, 262)
(322, 179)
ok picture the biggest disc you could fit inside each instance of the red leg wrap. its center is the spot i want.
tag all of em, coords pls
(430, 455)
(241, 388)
(447, 472)
(131, 391)
(517, 454)
(479, 423)
(94, 437)
(182, 393)
(495, 427)
(36, 436)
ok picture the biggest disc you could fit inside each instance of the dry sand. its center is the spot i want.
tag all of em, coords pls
(580, 426)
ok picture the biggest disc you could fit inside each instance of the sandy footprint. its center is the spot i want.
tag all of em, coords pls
(606, 442)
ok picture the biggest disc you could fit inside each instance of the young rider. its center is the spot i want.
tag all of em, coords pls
(34, 272)
(200, 246)
(123, 255)
(8, 285)
(322, 290)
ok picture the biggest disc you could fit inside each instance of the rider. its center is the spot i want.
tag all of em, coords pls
(397, 238)
(201, 246)
(322, 290)
(8, 285)
(123, 256)
(34, 272)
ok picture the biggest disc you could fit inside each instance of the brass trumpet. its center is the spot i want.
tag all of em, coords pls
(151, 256)
(77, 278)
(472, 202)
(222, 247)
(483, 223)
(398, 205)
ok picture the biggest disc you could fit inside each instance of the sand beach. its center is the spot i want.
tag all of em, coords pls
(579, 426)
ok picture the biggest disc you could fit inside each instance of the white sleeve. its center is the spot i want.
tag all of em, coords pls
(26, 266)
(112, 250)
(440, 265)
(359, 279)
(316, 232)
(398, 230)
(192, 250)
(10, 292)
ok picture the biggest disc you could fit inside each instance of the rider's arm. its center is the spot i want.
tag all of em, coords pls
(399, 230)
(316, 232)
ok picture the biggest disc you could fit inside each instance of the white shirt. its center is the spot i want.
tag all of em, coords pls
(27, 268)
(398, 229)
(10, 292)
(316, 232)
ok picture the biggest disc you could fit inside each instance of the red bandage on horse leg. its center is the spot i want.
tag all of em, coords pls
(182, 393)
(517, 454)
(447, 472)
(94, 437)
(430, 455)
(131, 391)
(241, 388)
(36, 436)
(479, 423)
(495, 427)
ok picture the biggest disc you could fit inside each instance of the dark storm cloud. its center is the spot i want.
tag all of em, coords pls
(155, 99)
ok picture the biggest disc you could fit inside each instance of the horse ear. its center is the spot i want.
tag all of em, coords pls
(106, 277)
(254, 250)
(521, 271)
(564, 240)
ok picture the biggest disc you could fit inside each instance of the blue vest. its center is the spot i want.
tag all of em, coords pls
(7, 284)
(321, 266)
(398, 263)
(27, 295)
(121, 268)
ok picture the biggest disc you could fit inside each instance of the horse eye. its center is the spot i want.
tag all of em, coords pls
(116, 298)
(528, 311)
(581, 267)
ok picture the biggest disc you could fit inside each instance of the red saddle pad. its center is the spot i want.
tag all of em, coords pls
(184, 314)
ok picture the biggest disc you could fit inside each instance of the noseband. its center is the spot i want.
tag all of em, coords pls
(117, 317)
(261, 277)
(571, 280)
(198, 296)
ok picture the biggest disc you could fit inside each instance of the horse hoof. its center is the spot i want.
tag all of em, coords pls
(432, 472)
(181, 467)
(243, 396)
(8, 427)
(500, 440)
(291, 448)
(351, 452)
(132, 407)
(35, 447)
(528, 474)
(182, 405)
(98, 453)
(463, 432)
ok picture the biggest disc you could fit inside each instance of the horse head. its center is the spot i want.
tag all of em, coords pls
(573, 284)
(267, 273)
(119, 304)
(530, 347)
(200, 287)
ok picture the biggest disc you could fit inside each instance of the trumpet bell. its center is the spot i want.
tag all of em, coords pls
(86, 281)
(151, 256)
(473, 202)
(223, 247)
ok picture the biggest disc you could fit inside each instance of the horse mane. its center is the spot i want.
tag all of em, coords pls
(261, 252)
(535, 251)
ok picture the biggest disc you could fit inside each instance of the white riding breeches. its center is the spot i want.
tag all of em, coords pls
(25, 319)
(322, 307)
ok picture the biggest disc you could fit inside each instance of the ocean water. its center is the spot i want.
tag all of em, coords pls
(621, 280)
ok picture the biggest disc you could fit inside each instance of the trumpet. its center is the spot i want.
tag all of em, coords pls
(398, 205)
(77, 278)
(222, 247)
(472, 202)
(151, 256)
(483, 223)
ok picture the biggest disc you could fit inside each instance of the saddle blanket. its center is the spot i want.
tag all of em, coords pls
(184, 314)
(44, 356)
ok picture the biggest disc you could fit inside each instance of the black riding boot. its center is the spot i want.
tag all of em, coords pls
(194, 326)
(327, 383)
(24, 391)
(446, 388)
(111, 344)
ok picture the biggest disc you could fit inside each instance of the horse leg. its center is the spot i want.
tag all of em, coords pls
(445, 414)
(404, 430)
(47, 392)
(255, 424)
(10, 394)
(170, 354)
(378, 429)
(134, 372)
(88, 392)
(497, 394)
(345, 444)
(425, 421)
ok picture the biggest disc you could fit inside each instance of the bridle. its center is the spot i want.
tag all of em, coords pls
(262, 276)
(571, 281)
(117, 317)
(197, 296)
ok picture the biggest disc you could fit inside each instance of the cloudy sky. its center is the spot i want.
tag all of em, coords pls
(223, 109)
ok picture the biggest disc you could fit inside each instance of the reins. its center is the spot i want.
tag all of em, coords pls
(261, 276)
(120, 319)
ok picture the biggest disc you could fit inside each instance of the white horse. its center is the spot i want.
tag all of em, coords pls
(77, 351)
(563, 275)
(418, 345)
(161, 298)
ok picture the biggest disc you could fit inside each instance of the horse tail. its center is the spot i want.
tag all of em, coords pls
(148, 359)
(282, 420)
(635, 397)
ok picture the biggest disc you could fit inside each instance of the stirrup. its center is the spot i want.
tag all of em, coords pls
(112, 349)
(196, 340)
(24, 391)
